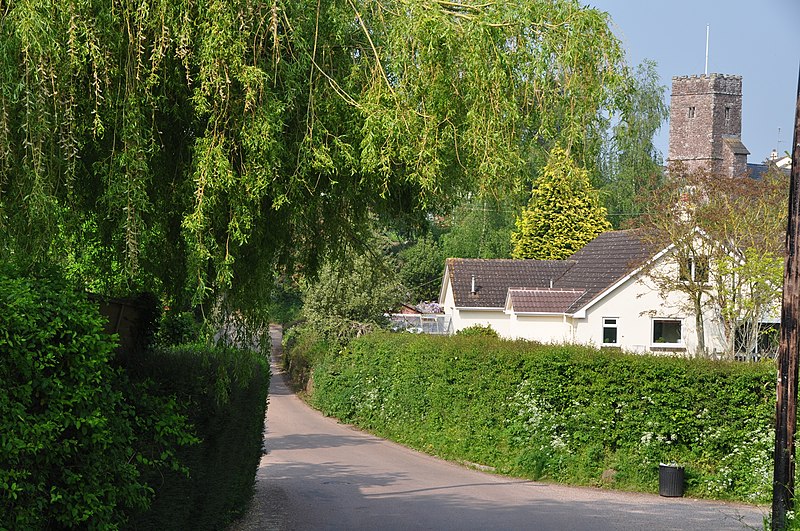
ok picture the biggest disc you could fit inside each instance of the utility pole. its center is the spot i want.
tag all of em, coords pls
(786, 404)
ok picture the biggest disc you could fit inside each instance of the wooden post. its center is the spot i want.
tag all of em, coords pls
(786, 405)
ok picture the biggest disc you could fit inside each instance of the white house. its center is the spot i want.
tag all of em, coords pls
(603, 295)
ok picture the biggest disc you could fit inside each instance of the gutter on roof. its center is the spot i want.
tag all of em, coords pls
(482, 308)
(558, 314)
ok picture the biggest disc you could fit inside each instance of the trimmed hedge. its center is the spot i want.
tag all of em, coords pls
(224, 393)
(567, 413)
(86, 444)
(73, 445)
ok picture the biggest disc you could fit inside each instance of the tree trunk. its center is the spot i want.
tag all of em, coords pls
(700, 325)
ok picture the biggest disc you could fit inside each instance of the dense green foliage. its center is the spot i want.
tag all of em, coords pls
(189, 149)
(630, 164)
(560, 412)
(420, 271)
(563, 215)
(224, 394)
(304, 349)
(351, 298)
(78, 437)
(478, 330)
(480, 228)
(170, 440)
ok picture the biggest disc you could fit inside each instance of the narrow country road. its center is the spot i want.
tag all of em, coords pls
(319, 474)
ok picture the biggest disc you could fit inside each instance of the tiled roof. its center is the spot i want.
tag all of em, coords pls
(602, 262)
(736, 145)
(590, 271)
(494, 277)
(542, 300)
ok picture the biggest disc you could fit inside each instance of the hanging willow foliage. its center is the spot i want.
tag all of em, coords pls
(200, 145)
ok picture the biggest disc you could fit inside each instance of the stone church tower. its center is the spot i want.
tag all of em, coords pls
(705, 124)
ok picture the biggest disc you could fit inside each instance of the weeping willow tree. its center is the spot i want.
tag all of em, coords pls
(197, 148)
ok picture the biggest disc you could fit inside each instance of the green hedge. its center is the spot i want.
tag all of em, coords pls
(566, 413)
(73, 444)
(86, 444)
(224, 393)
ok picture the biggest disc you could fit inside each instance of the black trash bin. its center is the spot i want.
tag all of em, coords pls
(670, 480)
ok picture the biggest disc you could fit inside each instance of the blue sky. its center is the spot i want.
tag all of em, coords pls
(759, 40)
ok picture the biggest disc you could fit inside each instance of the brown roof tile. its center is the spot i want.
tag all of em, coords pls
(494, 277)
(590, 271)
(543, 300)
(602, 262)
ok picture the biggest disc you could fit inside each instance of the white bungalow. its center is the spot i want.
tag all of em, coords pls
(603, 295)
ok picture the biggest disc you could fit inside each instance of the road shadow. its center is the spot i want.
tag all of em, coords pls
(305, 441)
(333, 496)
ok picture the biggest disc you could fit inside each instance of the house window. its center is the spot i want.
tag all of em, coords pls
(727, 115)
(667, 332)
(693, 269)
(691, 112)
(609, 330)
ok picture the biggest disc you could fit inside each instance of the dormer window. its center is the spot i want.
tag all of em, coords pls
(691, 112)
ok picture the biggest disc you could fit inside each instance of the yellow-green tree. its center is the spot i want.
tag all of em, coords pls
(563, 214)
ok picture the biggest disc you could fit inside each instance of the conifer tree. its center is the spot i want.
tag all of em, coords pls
(563, 214)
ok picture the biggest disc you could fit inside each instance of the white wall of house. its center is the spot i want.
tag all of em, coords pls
(497, 319)
(544, 328)
(640, 312)
(465, 317)
(635, 305)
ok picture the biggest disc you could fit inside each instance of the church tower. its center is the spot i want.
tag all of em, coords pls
(705, 124)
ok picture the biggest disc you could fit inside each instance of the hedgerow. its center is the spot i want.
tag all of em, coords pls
(224, 394)
(564, 413)
(76, 435)
(156, 439)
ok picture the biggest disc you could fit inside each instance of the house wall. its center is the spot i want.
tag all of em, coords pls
(636, 304)
(464, 318)
(542, 328)
(497, 319)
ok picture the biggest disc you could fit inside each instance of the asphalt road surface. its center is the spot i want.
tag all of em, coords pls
(319, 474)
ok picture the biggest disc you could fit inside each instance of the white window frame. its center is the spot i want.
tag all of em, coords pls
(655, 344)
(610, 322)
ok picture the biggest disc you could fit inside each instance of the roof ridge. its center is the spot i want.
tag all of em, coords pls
(553, 289)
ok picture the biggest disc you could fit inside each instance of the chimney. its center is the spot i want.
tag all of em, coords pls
(473, 285)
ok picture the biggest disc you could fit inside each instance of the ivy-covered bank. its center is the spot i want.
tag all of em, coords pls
(562, 413)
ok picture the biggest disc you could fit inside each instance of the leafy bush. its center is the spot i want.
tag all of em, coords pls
(224, 392)
(420, 271)
(303, 349)
(178, 328)
(73, 442)
(350, 299)
(478, 330)
(566, 413)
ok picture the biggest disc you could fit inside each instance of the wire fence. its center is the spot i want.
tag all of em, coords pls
(436, 324)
